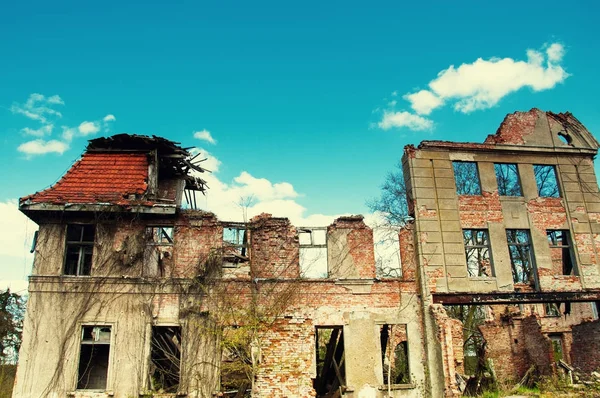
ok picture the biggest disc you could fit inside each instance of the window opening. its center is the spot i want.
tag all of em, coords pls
(551, 309)
(387, 253)
(521, 257)
(159, 249)
(79, 249)
(93, 357)
(507, 176)
(565, 138)
(560, 252)
(161, 235)
(477, 251)
(557, 347)
(394, 354)
(595, 309)
(466, 178)
(235, 245)
(547, 183)
(331, 370)
(165, 359)
(313, 252)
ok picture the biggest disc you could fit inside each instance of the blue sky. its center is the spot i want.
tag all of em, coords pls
(306, 101)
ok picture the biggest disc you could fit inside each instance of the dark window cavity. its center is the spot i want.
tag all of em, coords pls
(507, 176)
(560, 252)
(521, 256)
(466, 177)
(331, 371)
(551, 309)
(165, 359)
(93, 358)
(547, 183)
(313, 252)
(235, 245)
(394, 354)
(80, 245)
(477, 251)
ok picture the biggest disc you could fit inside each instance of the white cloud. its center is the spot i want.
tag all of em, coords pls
(394, 93)
(41, 132)
(205, 136)
(109, 118)
(555, 52)
(55, 99)
(40, 147)
(483, 83)
(423, 102)
(88, 128)
(404, 119)
(38, 107)
(246, 196)
(16, 236)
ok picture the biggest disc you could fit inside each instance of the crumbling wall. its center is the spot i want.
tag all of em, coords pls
(537, 345)
(408, 261)
(198, 238)
(514, 344)
(274, 248)
(505, 347)
(585, 351)
(450, 337)
(350, 251)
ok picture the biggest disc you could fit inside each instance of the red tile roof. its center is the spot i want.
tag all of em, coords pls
(99, 178)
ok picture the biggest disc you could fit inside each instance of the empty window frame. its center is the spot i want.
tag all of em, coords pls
(159, 248)
(560, 252)
(313, 252)
(235, 244)
(521, 256)
(394, 354)
(478, 252)
(160, 235)
(466, 178)
(165, 359)
(507, 176)
(546, 180)
(79, 249)
(93, 357)
(331, 370)
(552, 309)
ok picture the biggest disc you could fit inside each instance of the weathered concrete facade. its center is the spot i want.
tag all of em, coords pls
(486, 221)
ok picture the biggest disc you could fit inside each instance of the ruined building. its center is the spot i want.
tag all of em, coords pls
(134, 292)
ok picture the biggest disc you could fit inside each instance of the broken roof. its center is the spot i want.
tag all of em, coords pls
(117, 171)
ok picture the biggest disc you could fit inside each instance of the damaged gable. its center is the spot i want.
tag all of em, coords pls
(539, 128)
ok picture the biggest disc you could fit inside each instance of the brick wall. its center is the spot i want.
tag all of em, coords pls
(274, 249)
(406, 238)
(449, 335)
(356, 258)
(585, 351)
